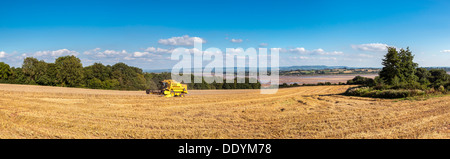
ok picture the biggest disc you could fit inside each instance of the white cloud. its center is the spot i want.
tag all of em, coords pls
(234, 51)
(106, 53)
(365, 55)
(263, 44)
(111, 53)
(319, 51)
(371, 47)
(445, 51)
(129, 58)
(145, 56)
(279, 49)
(140, 54)
(331, 53)
(91, 51)
(151, 49)
(183, 40)
(300, 58)
(328, 58)
(298, 50)
(195, 51)
(2, 54)
(213, 52)
(56, 53)
(158, 50)
(236, 40)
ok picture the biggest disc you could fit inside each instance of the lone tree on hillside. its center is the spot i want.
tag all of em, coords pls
(399, 69)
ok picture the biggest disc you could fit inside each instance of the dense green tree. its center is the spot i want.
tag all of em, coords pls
(30, 69)
(99, 76)
(408, 70)
(150, 84)
(399, 69)
(438, 77)
(35, 71)
(362, 80)
(227, 86)
(97, 70)
(43, 73)
(52, 72)
(391, 63)
(111, 84)
(69, 71)
(18, 76)
(95, 83)
(423, 75)
(129, 77)
(5, 71)
(217, 85)
(407, 66)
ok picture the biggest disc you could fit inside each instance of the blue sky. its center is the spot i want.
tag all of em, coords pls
(346, 32)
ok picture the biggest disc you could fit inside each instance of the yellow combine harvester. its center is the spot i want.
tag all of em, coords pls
(170, 88)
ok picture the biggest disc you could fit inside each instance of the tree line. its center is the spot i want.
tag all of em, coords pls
(67, 71)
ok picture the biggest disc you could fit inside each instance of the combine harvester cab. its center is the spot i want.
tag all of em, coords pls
(170, 88)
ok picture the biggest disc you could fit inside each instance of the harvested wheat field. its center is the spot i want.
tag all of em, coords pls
(302, 112)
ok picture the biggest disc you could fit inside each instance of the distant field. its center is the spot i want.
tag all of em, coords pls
(314, 79)
(302, 112)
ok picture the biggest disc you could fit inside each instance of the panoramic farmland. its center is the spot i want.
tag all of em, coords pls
(302, 112)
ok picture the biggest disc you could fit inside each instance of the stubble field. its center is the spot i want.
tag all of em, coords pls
(302, 112)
